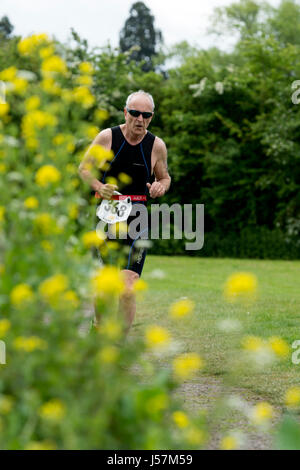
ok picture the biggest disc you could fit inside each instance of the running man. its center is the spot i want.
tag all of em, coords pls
(143, 157)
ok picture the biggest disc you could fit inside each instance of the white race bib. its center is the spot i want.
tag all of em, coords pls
(114, 210)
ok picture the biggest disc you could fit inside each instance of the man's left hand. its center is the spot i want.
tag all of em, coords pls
(156, 189)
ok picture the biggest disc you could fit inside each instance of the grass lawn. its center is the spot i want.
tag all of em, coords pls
(275, 313)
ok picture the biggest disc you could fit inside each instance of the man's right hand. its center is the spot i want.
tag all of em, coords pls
(106, 191)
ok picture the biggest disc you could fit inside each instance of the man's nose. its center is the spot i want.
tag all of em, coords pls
(140, 118)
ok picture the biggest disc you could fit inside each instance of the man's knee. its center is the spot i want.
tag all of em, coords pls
(130, 277)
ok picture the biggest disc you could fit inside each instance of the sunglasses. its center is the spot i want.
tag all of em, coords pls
(135, 113)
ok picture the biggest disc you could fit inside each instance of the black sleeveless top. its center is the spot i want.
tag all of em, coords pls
(133, 160)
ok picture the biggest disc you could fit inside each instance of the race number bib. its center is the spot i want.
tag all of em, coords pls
(113, 211)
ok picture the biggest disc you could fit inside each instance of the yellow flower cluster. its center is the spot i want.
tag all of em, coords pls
(86, 68)
(29, 344)
(261, 413)
(274, 345)
(111, 329)
(47, 174)
(31, 202)
(53, 286)
(91, 239)
(6, 404)
(32, 103)
(157, 337)
(53, 410)
(50, 86)
(229, 443)
(20, 294)
(292, 397)
(187, 365)
(83, 96)
(54, 64)
(108, 281)
(33, 121)
(2, 212)
(4, 109)
(109, 354)
(46, 224)
(29, 45)
(9, 74)
(180, 419)
(41, 445)
(240, 286)
(98, 154)
(181, 308)
(4, 327)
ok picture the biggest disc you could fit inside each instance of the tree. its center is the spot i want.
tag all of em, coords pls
(140, 37)
(6, 27)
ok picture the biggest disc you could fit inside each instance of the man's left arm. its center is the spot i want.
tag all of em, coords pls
(162, 178)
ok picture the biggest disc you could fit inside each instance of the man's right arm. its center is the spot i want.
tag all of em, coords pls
(104, 138)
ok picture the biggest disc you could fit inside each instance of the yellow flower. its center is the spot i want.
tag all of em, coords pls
(229, 443)
(32, 103)
(19, 85)
(140, 285)
(86, 68)
(84, 80)
(4, 109)
(108, 281)
(9, 74)
(73, 211)
(20, 294)
(45, 224)
(47, 246)
(4, 327)
(28, 45)
(70, 297)
(51, 288)
(125, 179)
(6, 404)
(180, 419)
(292, 397)
(181, 308)
(50, 86)
(46, 175)
(157, 403)
(279, 346)
(92, 131)
(31, 202)
(2, 168)
(109, 354)
(59, 139)
(91, 239)
(157, 337)
(252, 343)
(240, 286)
(2, 212)
(83, 96)
(111, 329)
(46, 52)
(54, 64)
(29, 343)
(40, 445)
(187, 365)
(262, 413)
(99, 153)
(195, 436)
(101, 115)
(53, 410)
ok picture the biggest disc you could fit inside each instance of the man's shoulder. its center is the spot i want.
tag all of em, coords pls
(159, 145)
(104, 137)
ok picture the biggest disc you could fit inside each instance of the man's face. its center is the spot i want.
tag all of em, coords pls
(138, 125)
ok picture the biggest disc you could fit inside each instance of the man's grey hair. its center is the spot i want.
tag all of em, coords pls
(140, 92)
